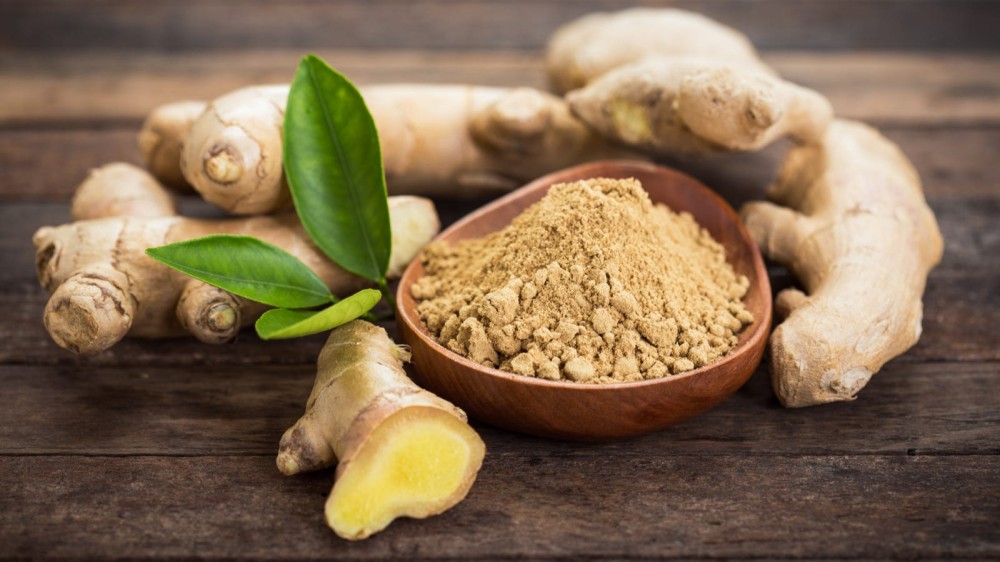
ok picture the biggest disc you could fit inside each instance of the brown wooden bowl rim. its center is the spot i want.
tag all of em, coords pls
(759, 328)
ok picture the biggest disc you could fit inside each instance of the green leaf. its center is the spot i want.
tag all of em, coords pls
(248, 267)
(333, 165)
(283, 323)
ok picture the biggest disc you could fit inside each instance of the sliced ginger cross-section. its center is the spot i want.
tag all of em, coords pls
(402, 451)
(417, 463)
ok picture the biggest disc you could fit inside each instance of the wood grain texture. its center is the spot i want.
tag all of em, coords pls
(187, 25)
(680, 506)
(88, 409)
(123, 86)
(126, 85)
(165, 449)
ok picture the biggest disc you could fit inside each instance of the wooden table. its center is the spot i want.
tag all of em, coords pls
(165, 449)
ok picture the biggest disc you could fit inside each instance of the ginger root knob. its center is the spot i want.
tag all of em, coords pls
(222, 166)
(90, 311)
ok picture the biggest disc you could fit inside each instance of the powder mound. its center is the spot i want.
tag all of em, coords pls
(592, 284)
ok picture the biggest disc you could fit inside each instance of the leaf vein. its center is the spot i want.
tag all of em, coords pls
(257, 283)
(345, 165)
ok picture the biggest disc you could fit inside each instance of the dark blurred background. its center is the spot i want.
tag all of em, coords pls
(160, 26)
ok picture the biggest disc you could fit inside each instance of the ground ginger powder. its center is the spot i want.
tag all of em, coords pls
(592, 284)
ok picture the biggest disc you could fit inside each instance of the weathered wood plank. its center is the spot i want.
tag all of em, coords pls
(165, 449)
(82, 86)
(123, 86)
(961, 317)
(892, 87)
(972, 239)
(85, 409)
(50, 164)
(50, 25)
(522, 506)
(954, 162)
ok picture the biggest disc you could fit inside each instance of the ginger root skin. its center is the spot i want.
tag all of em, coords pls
(161, 140)
(584, 49)
(469, 141)
(688, 106)
(402, 451)
(852, 224)
(437, 140)
(232, 153)
(120, 189)
(104, 286)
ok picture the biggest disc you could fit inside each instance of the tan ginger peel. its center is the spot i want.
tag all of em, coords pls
(588, 47)
(436, 140)
(104, 286)
(857, 233)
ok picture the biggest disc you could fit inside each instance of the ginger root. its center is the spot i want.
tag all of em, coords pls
(466, 141)
(856, 231)
(687, 106)
(586, 48)
(104, 286)
(403, 451)
(161, 139)
(232, 154)
(120, 189)
(457, 141)
(674, 83)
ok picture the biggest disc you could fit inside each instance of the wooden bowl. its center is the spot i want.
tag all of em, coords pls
(590, 411)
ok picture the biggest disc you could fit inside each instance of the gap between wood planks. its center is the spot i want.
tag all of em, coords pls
(520, 507)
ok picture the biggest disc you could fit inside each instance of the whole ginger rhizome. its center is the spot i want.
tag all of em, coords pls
(592, 284)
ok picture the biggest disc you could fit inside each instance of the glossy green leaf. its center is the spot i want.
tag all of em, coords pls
(333, 165)
(282, 323)
(248, 267)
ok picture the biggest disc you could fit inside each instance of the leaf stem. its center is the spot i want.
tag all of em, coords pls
(383, 286)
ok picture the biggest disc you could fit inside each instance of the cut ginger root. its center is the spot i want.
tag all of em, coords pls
(104, 286)
(403, 452)
(437, 140)
(856, 231)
